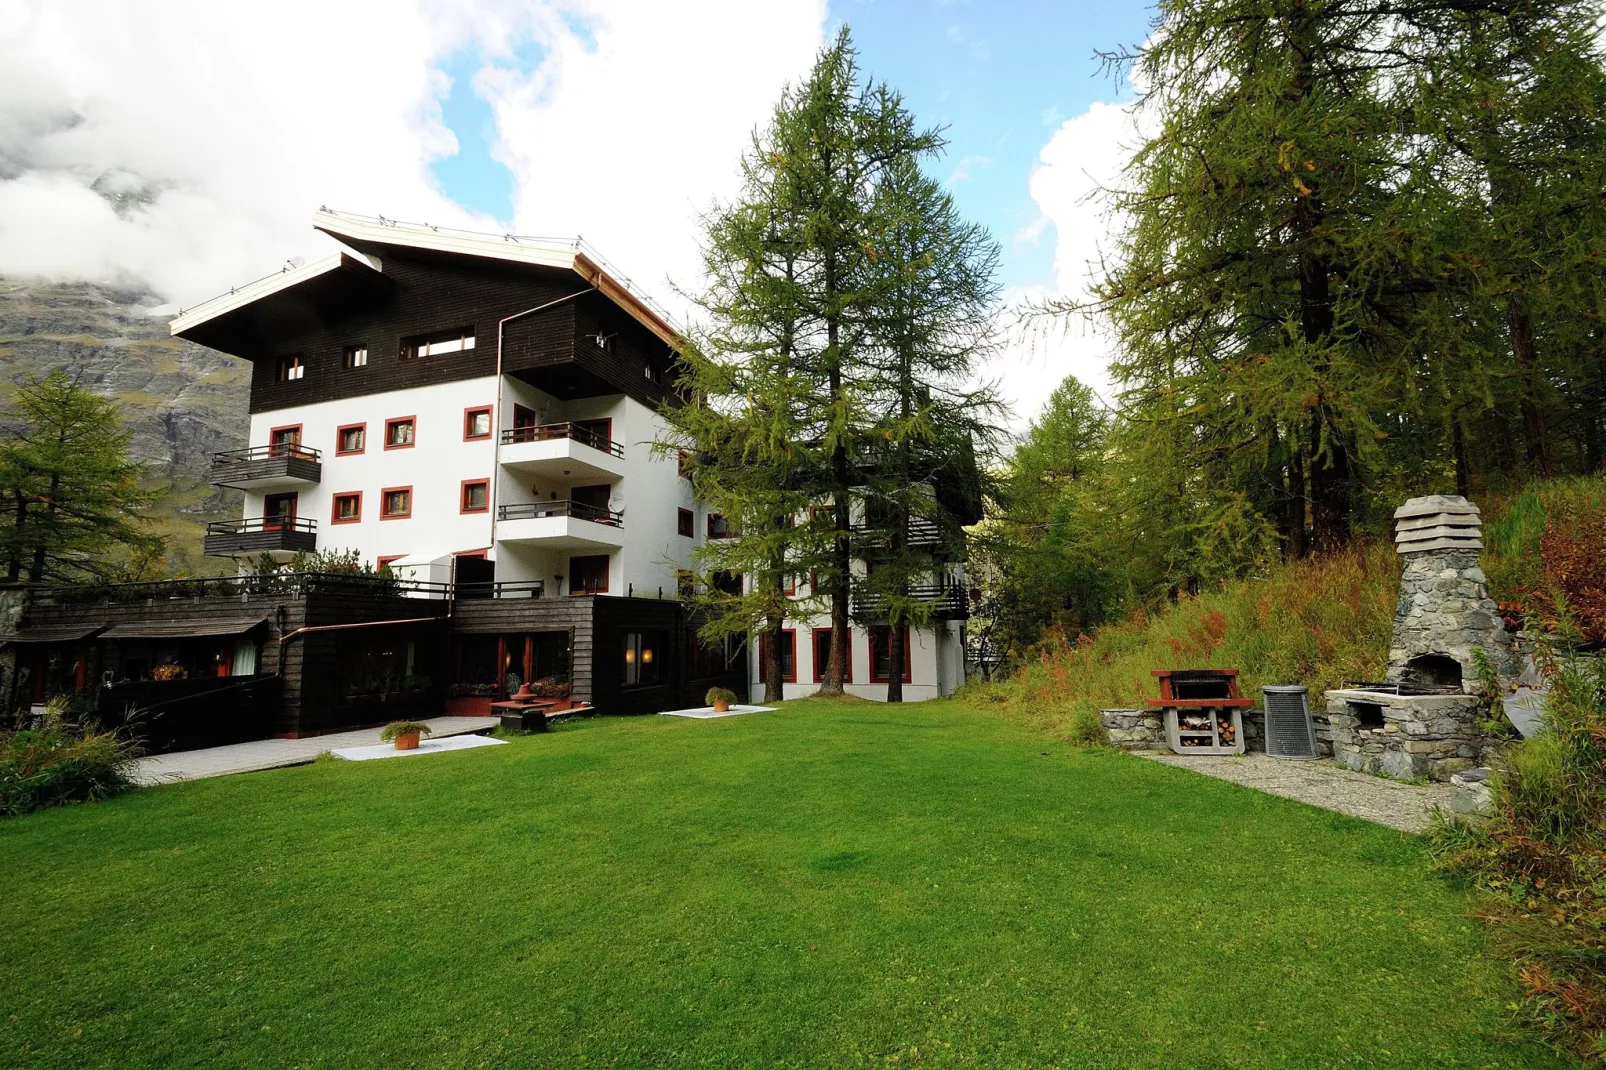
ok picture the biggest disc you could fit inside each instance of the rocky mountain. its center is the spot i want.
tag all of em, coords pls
(182, 402)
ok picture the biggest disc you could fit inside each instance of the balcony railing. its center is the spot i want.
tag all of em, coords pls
(268, 584)
(920, 531)
(231, 538)
(273, 452)
(546, 432)
(505, 589)
(949, 601)
(577, 510)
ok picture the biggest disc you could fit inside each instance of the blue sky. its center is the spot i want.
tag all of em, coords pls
(1000, 77)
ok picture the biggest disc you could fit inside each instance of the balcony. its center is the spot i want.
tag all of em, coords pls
(948, 600)
(561, 525)
(257, 535)
(921, 532)
(281, 466)
(563, 451)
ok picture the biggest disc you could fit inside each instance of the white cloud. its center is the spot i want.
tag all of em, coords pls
(185, 143)
(1084, 156)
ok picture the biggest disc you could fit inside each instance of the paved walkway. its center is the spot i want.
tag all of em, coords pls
(273, 753)
(1407, 807)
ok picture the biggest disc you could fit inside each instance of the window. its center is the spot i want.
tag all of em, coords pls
(456, 340)
(686, 582)
(686, 523)
(384, 561)
(588, 575)
(880, 657)
(476, 495)
(650, 372)
(643, 658)
(822, 654)
(718, 527)
(789, 584)
(398, 503)
(399, 432)
(350, 439)
(727, 582)
(683, 465)
(285, 441)
(348, 508)
(356, 357)
(291, 369)
(788, 656)
(476, 423)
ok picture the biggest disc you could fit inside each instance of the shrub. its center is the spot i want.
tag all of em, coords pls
(1541, 858)
(404, 728)
(60, 761)
(717, 695)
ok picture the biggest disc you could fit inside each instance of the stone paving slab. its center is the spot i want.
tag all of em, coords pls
(1407, 807)
(706, 713)
(274, 753)
(429, 745)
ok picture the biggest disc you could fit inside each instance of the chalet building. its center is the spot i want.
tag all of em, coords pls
(478, 413)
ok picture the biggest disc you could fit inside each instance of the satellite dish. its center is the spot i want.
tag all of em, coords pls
(296, 261)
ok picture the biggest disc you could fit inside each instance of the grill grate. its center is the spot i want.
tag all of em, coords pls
(1289, 731)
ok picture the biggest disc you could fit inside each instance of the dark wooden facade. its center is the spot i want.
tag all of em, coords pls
(310, 640)
(556, 350)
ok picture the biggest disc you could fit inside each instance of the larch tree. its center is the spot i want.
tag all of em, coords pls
(931, 324)
(74, 505)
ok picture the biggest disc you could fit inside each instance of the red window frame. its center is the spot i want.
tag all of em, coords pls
(819, 662)
(686, 523)
(468, 415)
(462, 495)
(763, 659)
(908, 658)
(342, 429)
(334, 508)
(386, 493)
(284, 449)
(709, 521)
(401, 420)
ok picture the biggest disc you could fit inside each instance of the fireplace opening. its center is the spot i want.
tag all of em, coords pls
(1369, 714)
(1182, 687)
(1433, 670)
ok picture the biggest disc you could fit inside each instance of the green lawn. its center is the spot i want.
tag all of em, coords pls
(833, 885)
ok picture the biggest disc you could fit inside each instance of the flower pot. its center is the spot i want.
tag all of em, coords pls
(722, 707)
(407, 741)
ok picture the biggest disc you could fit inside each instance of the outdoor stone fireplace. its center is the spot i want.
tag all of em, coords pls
(1422, 721)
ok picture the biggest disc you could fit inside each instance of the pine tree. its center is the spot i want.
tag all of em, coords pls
(73, 500)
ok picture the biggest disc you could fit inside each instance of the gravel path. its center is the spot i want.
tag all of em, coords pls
(1407, 807)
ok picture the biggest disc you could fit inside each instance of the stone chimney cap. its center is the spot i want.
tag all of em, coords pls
(1437, 503)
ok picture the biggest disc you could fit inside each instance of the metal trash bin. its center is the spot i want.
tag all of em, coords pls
(1290, 733)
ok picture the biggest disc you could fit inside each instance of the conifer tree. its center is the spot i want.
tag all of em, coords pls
(931, 323)
(72, 497)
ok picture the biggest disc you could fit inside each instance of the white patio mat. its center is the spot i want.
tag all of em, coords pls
(706, 713)
(426, 746)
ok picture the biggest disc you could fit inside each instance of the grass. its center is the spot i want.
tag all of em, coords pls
(837, 884)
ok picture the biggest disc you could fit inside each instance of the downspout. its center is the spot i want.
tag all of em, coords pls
(496, 414)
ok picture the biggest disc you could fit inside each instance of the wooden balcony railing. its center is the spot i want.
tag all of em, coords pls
(276, 451)
(546, 432)
(949, 601)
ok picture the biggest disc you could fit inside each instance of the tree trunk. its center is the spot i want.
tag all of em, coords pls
(836, 670)
(1535, 435)
(14, 563)
(895, 656)
(773, 689)
(1458, 447)
(36, 570)
(1298, 545)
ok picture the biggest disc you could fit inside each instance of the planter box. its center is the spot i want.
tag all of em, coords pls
(469, 706)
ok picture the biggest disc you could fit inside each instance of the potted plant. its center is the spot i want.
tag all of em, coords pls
(720, 698)
(405, 733)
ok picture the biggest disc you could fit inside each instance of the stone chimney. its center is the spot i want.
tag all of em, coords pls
(1445, 612)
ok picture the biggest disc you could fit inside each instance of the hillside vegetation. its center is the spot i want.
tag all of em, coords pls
(1317, 622)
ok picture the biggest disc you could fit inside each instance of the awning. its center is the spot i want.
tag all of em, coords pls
(183, 629)
(53, 633)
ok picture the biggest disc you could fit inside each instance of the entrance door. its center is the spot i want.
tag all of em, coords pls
(523, 424)
(279, 511)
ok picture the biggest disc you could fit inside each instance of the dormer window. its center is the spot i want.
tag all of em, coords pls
(356, 357)
(291, 368)
(456, 340)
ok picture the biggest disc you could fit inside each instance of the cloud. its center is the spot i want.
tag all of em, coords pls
(182, 145)
(1085, 155)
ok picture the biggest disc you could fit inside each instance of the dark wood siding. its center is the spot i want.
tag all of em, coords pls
(437, 291)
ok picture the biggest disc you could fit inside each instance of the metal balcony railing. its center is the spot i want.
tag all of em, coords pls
(546, 432)
(949, 601)
(252, 525)
(577, 510)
